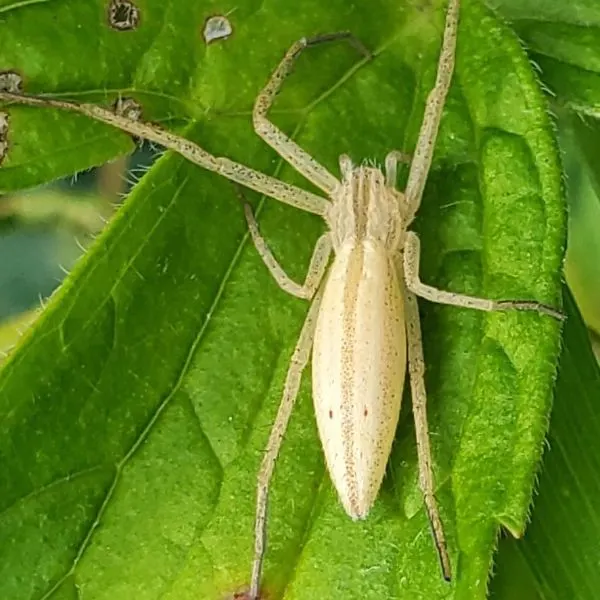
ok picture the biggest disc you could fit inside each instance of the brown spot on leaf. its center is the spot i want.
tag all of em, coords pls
(366, 411)
(123, 15)
(11, 81)
(331, 414)
(217, 27)
(128, 108)
(245, 595)
(3, 135)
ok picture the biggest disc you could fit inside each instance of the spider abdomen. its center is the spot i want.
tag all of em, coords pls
(358, 369)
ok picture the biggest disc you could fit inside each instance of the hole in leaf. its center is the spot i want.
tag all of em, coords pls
(217, 27)
(123, 15)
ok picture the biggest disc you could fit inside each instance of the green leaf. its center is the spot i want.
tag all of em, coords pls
(563, 39)
(580, 139)
(135, 413)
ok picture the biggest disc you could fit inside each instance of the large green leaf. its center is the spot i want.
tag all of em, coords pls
(135, 413)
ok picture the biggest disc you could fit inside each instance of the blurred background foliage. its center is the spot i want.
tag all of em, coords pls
(580, 143)
(43, 232)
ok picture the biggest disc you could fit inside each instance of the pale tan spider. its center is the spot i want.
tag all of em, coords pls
(364, 318)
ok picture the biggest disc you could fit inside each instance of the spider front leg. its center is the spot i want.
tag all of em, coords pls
(236, 172)
(316, 268)
(434, 108)
(281, 143)
(412, 252)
